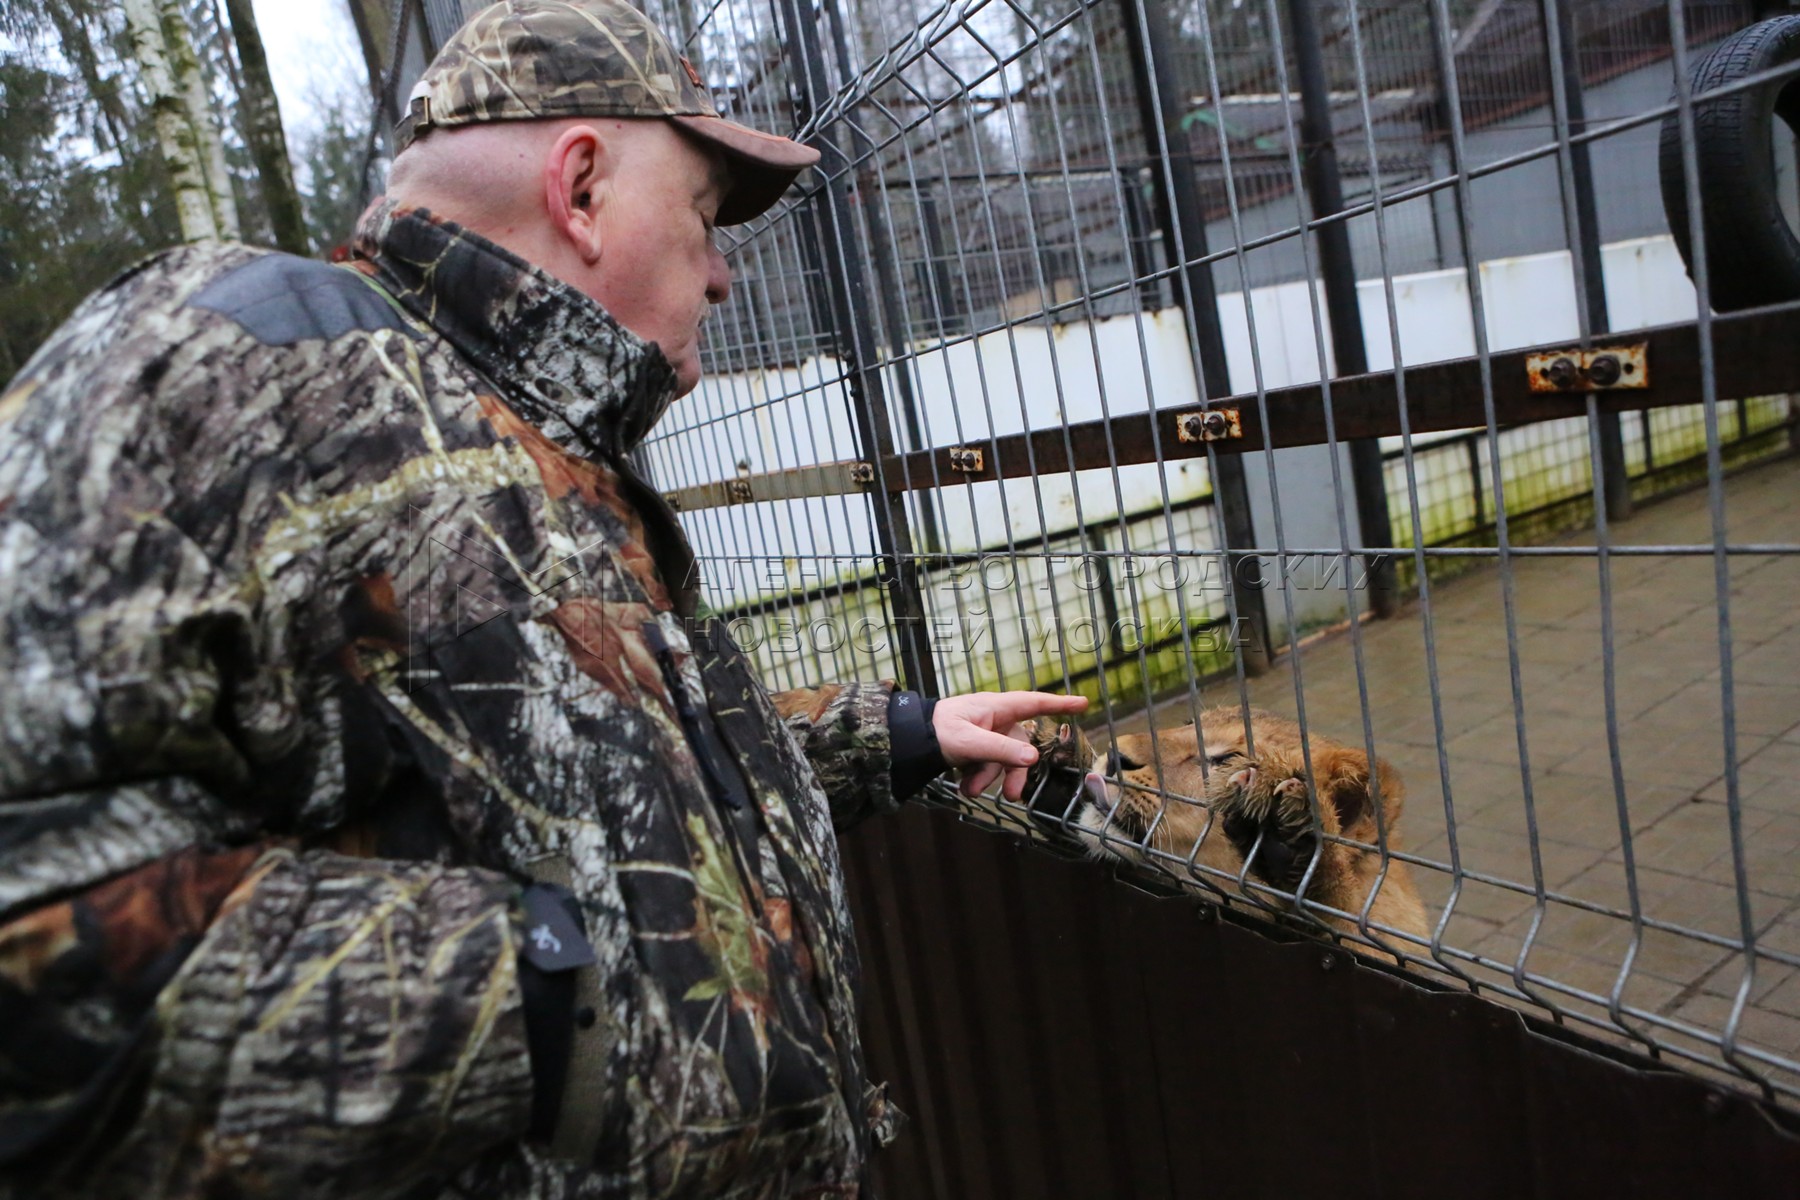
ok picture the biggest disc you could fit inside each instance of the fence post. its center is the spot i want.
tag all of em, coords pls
(1338, 266)
(949, 300)
(1450, 250)
(853, 328)
(1585, 240)
(888, 290)
(1179, 209)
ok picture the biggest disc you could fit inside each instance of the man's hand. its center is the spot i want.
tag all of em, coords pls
(984, 734)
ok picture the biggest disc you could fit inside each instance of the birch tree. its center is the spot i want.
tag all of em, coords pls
(185, 128)
(85, 188)
(179, 43)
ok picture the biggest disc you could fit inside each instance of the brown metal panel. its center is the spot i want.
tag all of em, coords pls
(1131, 1082)
(945, 1020)
(1068, 983)
(1011, 1085)
(1462, 1087)
(1074, 1036)
(1297, 1067)
(891, 1024)
(1028, 930)
(1195, 1049)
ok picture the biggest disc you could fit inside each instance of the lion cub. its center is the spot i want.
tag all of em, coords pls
(1251, 801)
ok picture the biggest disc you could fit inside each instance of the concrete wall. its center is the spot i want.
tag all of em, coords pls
(1032, 377)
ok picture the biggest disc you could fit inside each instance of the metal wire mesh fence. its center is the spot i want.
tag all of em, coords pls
(1125, 348)
(1150, 349)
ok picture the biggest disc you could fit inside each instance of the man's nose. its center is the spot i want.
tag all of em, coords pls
(718, 278)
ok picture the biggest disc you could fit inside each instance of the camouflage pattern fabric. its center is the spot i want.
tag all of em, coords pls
(332, 612)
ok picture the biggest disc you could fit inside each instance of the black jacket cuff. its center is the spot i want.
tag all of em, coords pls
(913, 743)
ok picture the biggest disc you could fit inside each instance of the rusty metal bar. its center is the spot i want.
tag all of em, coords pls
(1766, 343)
(1758, 354)
(827, 479)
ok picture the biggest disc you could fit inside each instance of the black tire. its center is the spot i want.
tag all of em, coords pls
(1752, 254)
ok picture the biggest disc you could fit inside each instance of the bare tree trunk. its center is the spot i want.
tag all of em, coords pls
(184, 64)
(262, 129)
(174, 127)
(78, 47)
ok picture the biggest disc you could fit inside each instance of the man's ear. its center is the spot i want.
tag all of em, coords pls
(575, 174)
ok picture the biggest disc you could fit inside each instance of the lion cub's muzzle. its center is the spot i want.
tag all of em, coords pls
(1061, 781)
(1265, 819)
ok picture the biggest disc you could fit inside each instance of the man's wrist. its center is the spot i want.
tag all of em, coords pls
(913, 742)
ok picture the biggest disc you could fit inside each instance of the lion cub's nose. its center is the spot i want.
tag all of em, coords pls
(1095, 787)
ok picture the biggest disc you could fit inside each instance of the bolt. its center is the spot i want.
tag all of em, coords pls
(1328, 962)
(1563, 373)
(1604, 370)
(1214, 423)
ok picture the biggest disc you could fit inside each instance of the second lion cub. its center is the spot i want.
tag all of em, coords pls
(1251, 802)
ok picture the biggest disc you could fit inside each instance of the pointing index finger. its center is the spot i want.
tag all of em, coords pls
(1016, 706)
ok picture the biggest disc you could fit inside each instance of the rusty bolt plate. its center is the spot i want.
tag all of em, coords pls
(862, 473)
(1605, 369)
(1209, 425)
(738, 491)
(966, 459)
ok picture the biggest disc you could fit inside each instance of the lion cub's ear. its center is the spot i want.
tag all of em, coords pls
(1344, 780)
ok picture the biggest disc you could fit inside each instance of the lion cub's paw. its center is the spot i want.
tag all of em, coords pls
(1269, 821)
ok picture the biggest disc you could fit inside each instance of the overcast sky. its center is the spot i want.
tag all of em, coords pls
(313, 56)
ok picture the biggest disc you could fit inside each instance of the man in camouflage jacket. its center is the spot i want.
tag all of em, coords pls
(316, 883)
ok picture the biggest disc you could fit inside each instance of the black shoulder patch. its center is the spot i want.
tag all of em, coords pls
(279, 299)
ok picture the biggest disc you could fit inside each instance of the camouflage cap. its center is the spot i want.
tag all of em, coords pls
(527, 60)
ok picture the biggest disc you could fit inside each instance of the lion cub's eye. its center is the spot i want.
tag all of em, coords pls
(1120, 762)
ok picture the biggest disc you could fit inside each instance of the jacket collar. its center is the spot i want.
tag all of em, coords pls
(589, 383)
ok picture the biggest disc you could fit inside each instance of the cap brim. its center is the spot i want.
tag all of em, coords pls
(763, 166)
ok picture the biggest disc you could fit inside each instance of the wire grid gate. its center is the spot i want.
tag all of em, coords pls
(956, 430)
(1061, 374)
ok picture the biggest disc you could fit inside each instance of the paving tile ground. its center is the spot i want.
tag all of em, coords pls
(1694, 892)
